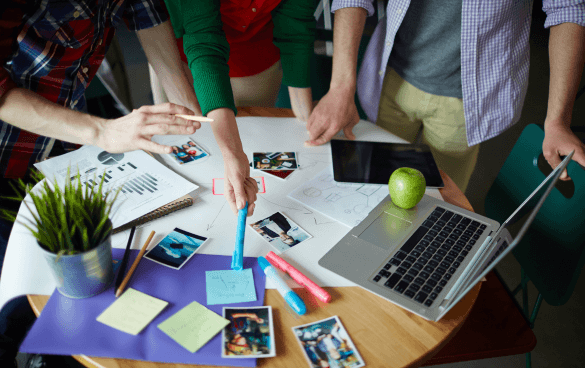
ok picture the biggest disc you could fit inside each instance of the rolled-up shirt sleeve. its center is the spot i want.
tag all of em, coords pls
(144, 14)
(10, 21)
(366, 4)
(564, 11)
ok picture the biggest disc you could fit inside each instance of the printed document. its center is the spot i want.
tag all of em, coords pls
(145, 184)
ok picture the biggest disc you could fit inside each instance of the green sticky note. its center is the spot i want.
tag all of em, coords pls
(132, 311)
(193, 326)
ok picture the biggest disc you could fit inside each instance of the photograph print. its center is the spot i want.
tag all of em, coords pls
(249, 334)
(279, 174)
(186, 151)
(280, 231)
(275, 161)
(176, 248)
(326, 343)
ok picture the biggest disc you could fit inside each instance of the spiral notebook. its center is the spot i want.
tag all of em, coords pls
(177, 204)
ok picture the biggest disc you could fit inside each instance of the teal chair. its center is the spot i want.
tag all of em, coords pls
(551, 254)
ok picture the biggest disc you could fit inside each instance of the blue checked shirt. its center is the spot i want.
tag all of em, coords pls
(55, 49)
(495, 57)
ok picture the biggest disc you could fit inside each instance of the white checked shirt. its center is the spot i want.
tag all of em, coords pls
(495, 57)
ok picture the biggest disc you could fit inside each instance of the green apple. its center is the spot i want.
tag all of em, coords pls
(407, 187)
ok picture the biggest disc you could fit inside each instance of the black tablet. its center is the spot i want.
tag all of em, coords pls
(374, 162)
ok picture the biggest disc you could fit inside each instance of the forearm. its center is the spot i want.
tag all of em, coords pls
(567, 57)
(46, 118)
(337, 110)
(161, 50)
(225, 130)
(347, 34)
(301, 100)
(239, 187)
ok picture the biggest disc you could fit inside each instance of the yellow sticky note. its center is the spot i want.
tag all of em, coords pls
(132, 311)
(193, 326)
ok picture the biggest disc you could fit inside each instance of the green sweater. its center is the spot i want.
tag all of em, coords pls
(207, 50)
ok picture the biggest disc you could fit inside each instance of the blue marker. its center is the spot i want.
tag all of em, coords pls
(238, 256)
(289, 296)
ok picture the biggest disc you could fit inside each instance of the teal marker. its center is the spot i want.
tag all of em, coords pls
(238, 256)
(295, 302)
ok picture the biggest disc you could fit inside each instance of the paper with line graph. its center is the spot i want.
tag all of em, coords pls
(144, 183)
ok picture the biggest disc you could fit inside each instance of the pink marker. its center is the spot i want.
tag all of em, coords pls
(296, 275)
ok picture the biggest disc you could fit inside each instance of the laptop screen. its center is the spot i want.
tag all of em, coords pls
(498, 250)
(535, 199)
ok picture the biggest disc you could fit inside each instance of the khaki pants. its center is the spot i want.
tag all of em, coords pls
(405, 108)
(255, 90)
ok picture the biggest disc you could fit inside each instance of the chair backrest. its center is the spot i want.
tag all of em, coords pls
(552, 252)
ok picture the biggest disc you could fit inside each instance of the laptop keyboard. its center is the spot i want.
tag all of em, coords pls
(424, 265)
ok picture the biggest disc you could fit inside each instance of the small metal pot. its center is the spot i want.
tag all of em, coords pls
(84, 274)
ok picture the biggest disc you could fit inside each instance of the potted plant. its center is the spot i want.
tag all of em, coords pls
(73, 229)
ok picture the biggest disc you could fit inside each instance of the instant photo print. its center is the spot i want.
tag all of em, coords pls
(184, 150)
(249, 334)
(280, 231)
(176, 248)
(279, 174)
(275, 161)
(326, 343)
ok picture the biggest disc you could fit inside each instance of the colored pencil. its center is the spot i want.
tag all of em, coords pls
(122, 269)
(134, 265)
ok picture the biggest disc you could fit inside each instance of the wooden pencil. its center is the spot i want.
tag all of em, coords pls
(194, 118)
(134, 265)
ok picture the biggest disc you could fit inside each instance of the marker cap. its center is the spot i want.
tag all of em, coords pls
(295, 302)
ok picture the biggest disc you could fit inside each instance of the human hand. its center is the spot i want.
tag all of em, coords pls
(239, 187)
(559, 140)
(335, 111)
(135, 130)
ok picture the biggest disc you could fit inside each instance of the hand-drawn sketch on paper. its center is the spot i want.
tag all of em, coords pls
(347, 203)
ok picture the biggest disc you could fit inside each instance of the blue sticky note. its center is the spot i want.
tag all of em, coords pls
(229, 286)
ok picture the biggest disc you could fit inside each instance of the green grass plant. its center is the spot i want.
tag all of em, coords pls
(68, 220)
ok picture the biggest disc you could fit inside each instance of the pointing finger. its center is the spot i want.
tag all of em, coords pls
(153, 147)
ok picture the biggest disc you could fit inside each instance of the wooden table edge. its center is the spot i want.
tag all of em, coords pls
(451, 194)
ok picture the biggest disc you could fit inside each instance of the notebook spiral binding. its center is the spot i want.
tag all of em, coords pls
(171, 207)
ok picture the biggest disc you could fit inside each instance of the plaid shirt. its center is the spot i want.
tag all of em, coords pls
(495, 57)
(54, 48)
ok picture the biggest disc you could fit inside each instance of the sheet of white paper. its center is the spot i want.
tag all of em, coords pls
(145, 184)
(26, 272)
(345, 202)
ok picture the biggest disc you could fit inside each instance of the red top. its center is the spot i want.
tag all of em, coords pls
(248, 28)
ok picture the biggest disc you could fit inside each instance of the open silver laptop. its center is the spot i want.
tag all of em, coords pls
(427, 258)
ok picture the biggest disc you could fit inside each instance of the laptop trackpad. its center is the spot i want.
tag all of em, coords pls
(386, 231)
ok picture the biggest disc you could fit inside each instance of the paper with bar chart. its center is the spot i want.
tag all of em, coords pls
(144, 183)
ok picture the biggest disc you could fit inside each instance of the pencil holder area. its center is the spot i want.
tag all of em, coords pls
(83, 275)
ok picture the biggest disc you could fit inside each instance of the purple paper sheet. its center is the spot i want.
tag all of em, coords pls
(69, 327)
